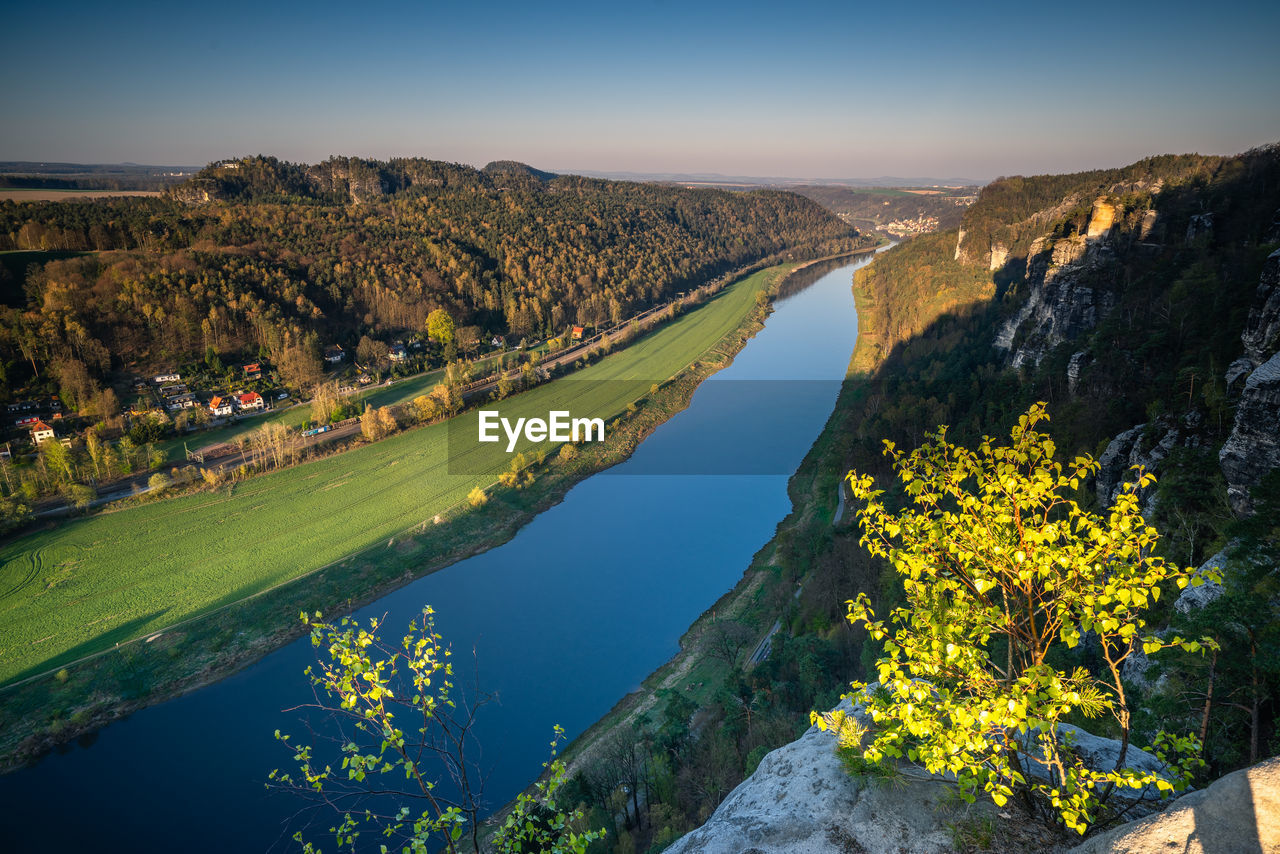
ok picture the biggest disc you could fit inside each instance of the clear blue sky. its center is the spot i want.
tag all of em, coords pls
(804, 89)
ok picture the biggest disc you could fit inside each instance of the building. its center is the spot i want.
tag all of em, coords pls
(221, 406)
(253, 371)
(333, 355)
(167, 378)
(250, 401)
(41, 433)
(397, 353)
(577, 333)
(180, 401)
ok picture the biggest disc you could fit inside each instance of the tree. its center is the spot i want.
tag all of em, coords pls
(440, 327)
(300, 365)
(1005, 575)
(378, 423)
(469, 339)
(728, 638)
(324, 402)
(369, 688)
(371, 353)
(80, 496)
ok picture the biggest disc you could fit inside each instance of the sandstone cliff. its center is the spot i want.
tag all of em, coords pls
(802, 800)
(1253, 448)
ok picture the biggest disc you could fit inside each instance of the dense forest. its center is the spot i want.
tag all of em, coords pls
(929, 317)
(259, 258)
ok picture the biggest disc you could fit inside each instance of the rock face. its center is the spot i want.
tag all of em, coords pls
(1253, 448)
(802, 801)
(1239, 814)
(1064, 301)
(1101, 218)
(1129, 449)
(1056, 311)
(1261, 335)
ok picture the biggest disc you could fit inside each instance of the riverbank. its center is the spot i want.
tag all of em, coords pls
(224, 642)
(701, 670)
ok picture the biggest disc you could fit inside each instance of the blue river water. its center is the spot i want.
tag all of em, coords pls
(564, 620)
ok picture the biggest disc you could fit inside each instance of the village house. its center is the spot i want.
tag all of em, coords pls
(333, 355)
(577, 333)
(250, 402)
(41, 433)
(167, 378)
(221, 406)
(253, 371)
(397, 353)
(180, 401)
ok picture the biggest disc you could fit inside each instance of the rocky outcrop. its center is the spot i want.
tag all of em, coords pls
(1134, 448)
(1147, 229)
(1253, 448)
(1238, 814)
(1194, 597)
(1199, 226)
(999, 255)
(801, 800)
(1074, 368)
(1054, 312)
(1102, 217)
(1064, 300)
(1261, 335)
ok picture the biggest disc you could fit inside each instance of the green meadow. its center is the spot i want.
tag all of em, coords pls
(85, 586)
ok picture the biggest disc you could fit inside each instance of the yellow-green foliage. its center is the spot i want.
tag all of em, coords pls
(1003, 571)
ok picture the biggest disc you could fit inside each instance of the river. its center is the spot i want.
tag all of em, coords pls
(565, 619)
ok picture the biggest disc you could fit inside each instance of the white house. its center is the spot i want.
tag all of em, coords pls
(250, 402)
(41, 433)
(221, 406)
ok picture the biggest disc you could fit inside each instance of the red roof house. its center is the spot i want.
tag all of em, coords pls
(249, 401)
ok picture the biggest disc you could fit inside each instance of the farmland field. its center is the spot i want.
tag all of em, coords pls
(82, 587)
(24, 195)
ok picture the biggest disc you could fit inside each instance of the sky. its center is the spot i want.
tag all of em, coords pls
(788, 88)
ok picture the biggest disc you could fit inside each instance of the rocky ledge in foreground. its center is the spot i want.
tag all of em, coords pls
(1238, 814)
(801, 800)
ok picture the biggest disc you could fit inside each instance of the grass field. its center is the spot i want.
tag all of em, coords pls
(82, 587)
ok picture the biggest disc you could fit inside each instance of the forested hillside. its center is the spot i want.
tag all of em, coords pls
(257, 257)
(1135, 302)
(1119, 297)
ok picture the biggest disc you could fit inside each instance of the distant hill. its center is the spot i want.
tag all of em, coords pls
(21, 174)
(718, 179)
(257, 256)
(893, 209)
(513, 167)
